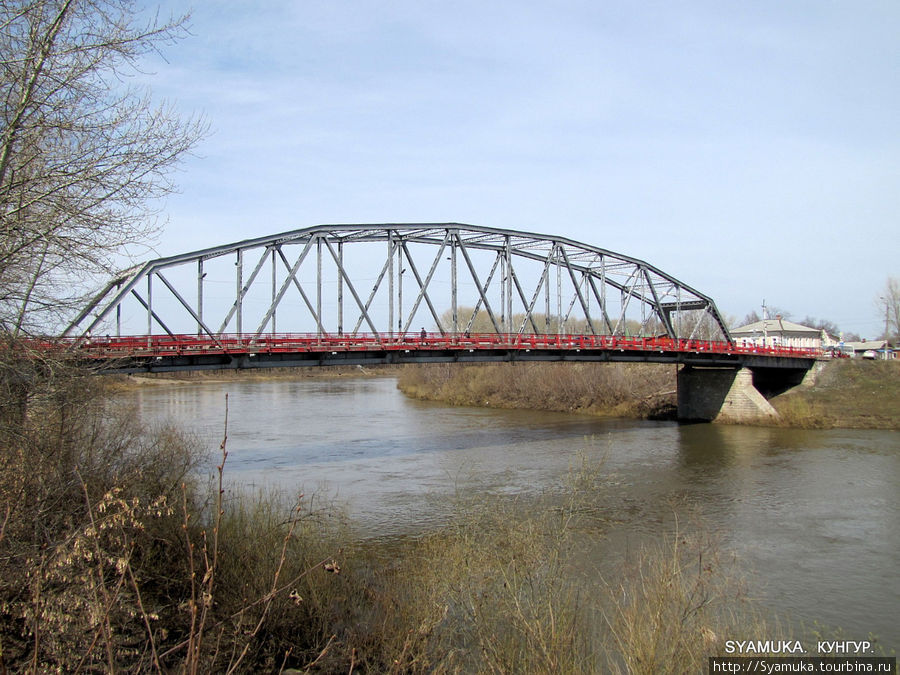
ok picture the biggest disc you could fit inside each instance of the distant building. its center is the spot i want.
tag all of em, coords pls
(779, 332)
(871, 349)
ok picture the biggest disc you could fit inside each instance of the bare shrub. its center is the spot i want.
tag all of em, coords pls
(85, 498)
(277, 582)
(112, 558)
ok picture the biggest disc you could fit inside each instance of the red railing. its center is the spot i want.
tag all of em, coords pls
(166, 345)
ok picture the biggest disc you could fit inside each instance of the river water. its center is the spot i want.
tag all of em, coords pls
(813, 516)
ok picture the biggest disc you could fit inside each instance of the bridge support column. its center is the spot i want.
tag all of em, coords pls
(720, 395)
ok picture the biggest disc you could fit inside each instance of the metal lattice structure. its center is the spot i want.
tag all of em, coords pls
(392, 278)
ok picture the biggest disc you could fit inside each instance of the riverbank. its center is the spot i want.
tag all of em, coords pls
(640, 391)
(846, 393)
(148, 571)
(527, 554)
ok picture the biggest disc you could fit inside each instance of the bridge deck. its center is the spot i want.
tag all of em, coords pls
(191, 352)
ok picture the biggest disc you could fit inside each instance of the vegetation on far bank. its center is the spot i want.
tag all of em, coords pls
(848, 393)
(644, 390)
(852, 393)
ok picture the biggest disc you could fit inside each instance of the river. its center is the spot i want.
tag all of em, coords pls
(813, 516)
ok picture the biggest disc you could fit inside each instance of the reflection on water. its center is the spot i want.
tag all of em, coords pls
(815, 514)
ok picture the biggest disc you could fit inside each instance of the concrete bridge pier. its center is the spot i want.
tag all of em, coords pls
(721, 395)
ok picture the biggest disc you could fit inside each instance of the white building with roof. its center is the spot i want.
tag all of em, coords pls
(871, 349)
(779, 332)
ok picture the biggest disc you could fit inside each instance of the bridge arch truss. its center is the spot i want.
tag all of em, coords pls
(394, 278)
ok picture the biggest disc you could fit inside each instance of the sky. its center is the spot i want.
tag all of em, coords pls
(750, 149)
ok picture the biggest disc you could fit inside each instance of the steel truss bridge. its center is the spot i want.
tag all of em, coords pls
(356, 294)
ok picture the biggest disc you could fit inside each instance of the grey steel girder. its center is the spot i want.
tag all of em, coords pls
(606, 292)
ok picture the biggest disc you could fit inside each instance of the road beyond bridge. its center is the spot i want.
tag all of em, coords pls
(488, 294)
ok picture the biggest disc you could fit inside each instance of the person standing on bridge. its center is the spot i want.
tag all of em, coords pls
(423, 334)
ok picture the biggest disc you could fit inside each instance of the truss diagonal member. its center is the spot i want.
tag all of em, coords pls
(528, 316)
(565, 317)
(350, 285)
(601, 302)
(622, 266)
(125, 287)
(152, 313)
(627, 294)
(187, 306)
(577, 285)
(697, 324)
(96, 300)
(657, 307)
(713, 311)
(384, 269)
(423, 287)
(481, 291)
(243, 292)
(487, 284)
(537, 291)
(291, 277)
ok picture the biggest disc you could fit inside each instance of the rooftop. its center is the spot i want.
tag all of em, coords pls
(776, 325)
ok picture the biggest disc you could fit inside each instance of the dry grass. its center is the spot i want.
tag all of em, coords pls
(515, 585)
(674, 605)
(848, 393)
(112, 559)
(617, 389)
(494, 591)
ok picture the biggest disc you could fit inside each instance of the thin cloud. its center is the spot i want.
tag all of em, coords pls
(740, 146)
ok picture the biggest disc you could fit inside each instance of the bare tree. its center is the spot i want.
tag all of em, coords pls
(889, 303)
(751, 317)
(83, 154)
(830, 327)
(770, 313)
